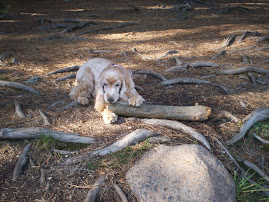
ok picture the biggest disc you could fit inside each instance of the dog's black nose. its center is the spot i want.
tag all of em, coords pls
(110, 100)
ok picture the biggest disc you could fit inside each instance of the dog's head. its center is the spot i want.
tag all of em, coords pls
(113, 83)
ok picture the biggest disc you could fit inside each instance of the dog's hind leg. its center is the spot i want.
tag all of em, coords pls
(84, 88)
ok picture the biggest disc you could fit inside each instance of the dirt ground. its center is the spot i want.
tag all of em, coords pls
(196, 34)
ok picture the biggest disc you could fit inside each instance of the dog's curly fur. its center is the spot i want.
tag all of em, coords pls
(107, 83)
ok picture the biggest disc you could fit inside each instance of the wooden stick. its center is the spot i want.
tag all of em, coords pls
(46, 120)
(259, 49)
(18, 110)
(121, 193)
(21, 162)
(252, 78)
(179, 126)
(70, 76)
(178, 67)
(37, 132)
(186, 113)
(228, 42)
(94, 191)
(134, 137)
(153, 73)
(18, 85)
(66, 69)
(256, 169)
(229, 115)
(203, 64)
(255, 116)
(261, 139)
(245, 69)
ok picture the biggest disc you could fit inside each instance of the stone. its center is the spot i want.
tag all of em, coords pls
(180, 173)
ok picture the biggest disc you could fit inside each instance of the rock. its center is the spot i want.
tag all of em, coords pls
(181, 173)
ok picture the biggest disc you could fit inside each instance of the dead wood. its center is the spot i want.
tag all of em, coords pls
(263, 38)
(254, 117)
(245, 69)
(261, 139)
(134, 137)
(145, 58)
(223, 52)
(186, 113)
(153, 73)
(100, 51)
(18, 110)
(78, 26)
(229, 115)
(94, 191)
(256, 169)
(66, 69)
(203, 64)
(109, 27)
(21, 162)
(246, 34)
(71, 104)
(228, 42)
(70, 76)
(18, 85)
(46, 120)
(259, 49)
(178, 126)
(139, 88)
(243, 173)
(37, 132)
(191, 81)
(121, 193)
(56, 103)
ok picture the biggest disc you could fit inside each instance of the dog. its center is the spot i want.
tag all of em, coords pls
(107, 83)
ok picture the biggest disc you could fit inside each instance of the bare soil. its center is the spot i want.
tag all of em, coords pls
(195, 38)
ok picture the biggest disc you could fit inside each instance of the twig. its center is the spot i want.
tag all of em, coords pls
(179, 126)
(37, 132)
(228, 42)
(18, 110)
(256, 169)
(21, 162)
(18, 85)
(246, 34)
(153, 73)
(223, 52)
(121, 193)
(66, 69)
(167, 53)
(252, 78)
(245, 69)
(46, 120)
(70, 76)
(134, 137)
(109, 27)
(261, 139)
(94, 191)
(255, 116)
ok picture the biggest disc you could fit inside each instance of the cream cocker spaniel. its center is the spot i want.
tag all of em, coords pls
(107, 83)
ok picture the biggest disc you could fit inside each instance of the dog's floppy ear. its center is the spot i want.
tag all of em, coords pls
(99, 99)
(128, 84)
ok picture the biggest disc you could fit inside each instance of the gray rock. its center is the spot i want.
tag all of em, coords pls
(181, 173)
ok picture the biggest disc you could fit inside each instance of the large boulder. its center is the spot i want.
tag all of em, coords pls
(180, 173)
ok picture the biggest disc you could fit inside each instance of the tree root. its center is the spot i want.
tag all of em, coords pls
(153, 73)
(121, 193)
(178, 126)
(18, 85)
(94, 191)
(18, 110)
(21, 162)
(245, 69)
(66, 69)
(254, 117)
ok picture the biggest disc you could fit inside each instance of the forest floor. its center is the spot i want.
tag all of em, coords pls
(31, 46)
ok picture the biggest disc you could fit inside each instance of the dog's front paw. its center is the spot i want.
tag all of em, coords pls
(136, 100)
(83, 100)
(110, 117)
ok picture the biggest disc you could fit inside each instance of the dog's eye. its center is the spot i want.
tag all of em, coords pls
(117, 85)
